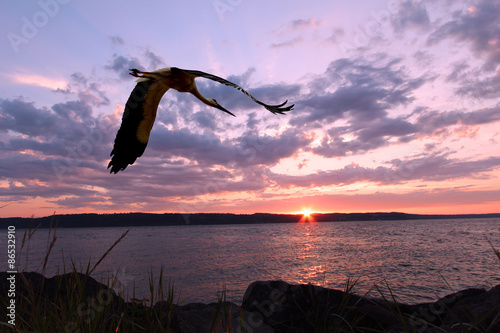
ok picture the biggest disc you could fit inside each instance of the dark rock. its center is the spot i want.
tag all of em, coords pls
(268, 306)
(432, 314)
(307, 308)
(39, 297)
(80, 287)
(482, 310)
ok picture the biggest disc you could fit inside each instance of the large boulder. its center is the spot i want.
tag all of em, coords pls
(268, 306)
(34, 287)
(482, 310)
(305, 308)
(61, 303)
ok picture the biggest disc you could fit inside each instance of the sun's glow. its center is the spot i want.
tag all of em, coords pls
(306, 216)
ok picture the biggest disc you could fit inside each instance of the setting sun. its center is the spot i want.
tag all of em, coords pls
(306, 216)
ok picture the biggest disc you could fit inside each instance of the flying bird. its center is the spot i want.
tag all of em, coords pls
(140, 111)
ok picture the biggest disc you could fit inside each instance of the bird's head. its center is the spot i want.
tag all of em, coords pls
(216, 105)
(154, 75)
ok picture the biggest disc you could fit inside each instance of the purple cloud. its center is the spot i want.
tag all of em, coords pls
(477, 25)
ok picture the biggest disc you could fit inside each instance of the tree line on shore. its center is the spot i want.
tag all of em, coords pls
(177, 219)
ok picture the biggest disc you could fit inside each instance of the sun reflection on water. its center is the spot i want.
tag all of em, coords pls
(201, 260)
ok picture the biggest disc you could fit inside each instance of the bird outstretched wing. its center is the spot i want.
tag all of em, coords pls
(138, 119)
(280, 108)
(141, 107)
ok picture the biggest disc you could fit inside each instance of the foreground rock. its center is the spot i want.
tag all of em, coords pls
(307, 308)
(71, 300)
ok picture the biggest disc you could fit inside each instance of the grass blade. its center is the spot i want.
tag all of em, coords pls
(109, 250)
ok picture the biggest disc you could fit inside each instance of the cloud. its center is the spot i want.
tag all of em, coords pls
(49, 144)
(387, 127)
(121, 65)
(349, 105)
(360, 92)
(410, 14)
(413, 201)
(155, 61)
(439, 167)
(269, 150)
(205, 120)
(23, 117)
(73, 109)
(208, 149)
(432, 122)
(459, 71)
(25, 190)
(252, 121)
(304, 23)
(486, 88)
(386, 131)
(380, 133)
(357, 105)
(94, 95)
(79, 79)
(359, 89)
(38, 80)
(294, 32)
(433, 167)
(86, 90)
(479, 26)
(288, 43)
(117, 40)
(337, 146)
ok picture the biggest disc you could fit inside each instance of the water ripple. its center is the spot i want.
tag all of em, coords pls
(418, 260)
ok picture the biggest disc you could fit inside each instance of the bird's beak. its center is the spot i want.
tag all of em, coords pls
(221, 108)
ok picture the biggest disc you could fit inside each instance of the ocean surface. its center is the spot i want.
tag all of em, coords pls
(419, 260)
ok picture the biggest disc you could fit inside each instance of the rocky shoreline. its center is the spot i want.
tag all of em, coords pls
(268, 306)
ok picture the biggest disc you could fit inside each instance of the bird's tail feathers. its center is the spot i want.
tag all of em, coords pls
(278, 109)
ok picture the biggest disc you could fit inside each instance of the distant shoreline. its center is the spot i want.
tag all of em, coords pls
(177, 219)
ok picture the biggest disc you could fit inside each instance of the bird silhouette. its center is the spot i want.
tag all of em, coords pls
(141, 107)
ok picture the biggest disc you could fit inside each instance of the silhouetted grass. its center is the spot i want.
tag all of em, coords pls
(76, 304)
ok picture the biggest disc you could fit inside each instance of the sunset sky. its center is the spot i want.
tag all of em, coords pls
(397, 106)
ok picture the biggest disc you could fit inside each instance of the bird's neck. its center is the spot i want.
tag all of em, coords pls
(202, 98)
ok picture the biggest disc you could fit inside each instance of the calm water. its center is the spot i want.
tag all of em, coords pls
(417, 259)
